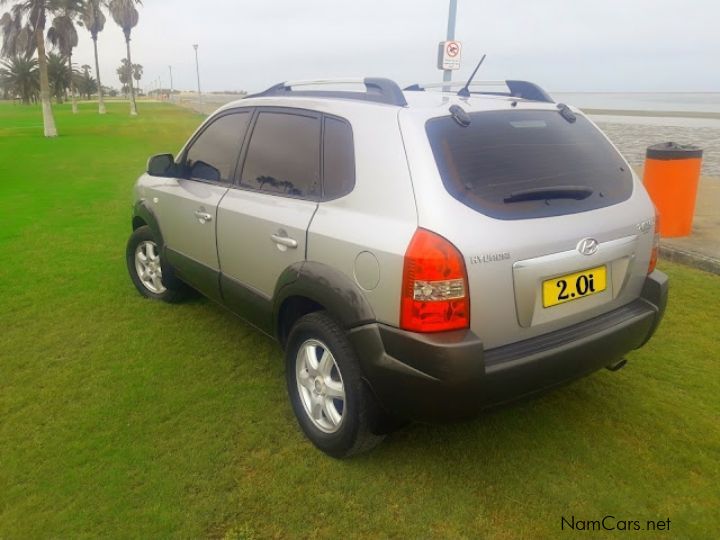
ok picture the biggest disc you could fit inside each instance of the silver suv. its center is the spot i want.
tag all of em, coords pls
(419, 254)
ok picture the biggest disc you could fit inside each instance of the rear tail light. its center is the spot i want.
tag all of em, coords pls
(656, 244)
(435, 295)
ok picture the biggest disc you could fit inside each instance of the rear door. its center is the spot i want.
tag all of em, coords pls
(263, 221)
(187, 206)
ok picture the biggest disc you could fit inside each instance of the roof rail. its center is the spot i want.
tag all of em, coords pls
(519, 89)
(377, 89)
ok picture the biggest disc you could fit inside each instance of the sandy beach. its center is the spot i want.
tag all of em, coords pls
(653, 114)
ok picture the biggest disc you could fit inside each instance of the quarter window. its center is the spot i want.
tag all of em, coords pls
(338, 159)
(214, 153)
(284, 155)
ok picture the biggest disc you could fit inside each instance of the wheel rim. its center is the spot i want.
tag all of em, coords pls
(148, 268)
(320, 386)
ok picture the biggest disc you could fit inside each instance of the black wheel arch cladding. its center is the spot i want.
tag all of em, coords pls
(327, 287)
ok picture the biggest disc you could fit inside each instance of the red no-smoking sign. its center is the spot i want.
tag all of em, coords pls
(449, 54)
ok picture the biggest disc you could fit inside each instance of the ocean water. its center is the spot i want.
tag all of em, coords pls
(675, 101)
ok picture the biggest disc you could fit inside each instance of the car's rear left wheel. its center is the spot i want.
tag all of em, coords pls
(334, 407)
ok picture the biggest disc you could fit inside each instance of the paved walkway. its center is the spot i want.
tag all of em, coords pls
(633, 139)
(702, 248)
(633, 135)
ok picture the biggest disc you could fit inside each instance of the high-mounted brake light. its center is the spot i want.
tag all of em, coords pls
(435, 295)
(656, 244)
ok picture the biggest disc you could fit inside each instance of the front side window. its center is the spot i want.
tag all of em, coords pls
(214, 153)
(284, 155)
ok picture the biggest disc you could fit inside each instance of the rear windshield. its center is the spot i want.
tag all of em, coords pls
(527, 164)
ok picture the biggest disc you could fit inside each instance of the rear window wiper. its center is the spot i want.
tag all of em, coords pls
(551, 192)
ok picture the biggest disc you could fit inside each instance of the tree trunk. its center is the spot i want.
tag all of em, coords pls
(133, 106)
(48, 119)
(101, 108)
(72, 86)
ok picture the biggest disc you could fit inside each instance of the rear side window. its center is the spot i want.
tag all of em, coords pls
(527, 164)
(338, 159)
(214, 153)
(284, 155)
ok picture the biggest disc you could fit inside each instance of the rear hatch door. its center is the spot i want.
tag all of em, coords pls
(547, 214)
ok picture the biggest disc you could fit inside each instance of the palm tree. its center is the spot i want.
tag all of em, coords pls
(19, 76)
(137, 73)
(63, 35)
(85, 83)
(126, 17)
(59, 76)
(18, 38)
(23, 24)
(94, 21)
(125, 75)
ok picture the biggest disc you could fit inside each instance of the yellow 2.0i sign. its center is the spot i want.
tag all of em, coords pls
(570, 287)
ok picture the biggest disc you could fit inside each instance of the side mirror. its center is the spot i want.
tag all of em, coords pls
(161, 165)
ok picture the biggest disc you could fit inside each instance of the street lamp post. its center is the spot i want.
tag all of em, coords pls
(171, 83)
(197, 70)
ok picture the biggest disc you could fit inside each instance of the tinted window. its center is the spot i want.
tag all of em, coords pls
(523, 164)
(214, 153)
(338, 159)
(284, 155)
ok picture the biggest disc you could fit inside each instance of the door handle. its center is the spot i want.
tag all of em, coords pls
(284, 241)
(203, 216)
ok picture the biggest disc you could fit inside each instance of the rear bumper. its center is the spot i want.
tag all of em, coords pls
(450, 375)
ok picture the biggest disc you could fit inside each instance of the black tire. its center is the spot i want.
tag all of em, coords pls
(174, 289)
(360, 414)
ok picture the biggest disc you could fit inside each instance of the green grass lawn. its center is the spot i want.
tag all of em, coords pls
(123, 417)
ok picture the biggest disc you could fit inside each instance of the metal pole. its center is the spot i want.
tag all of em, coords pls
(447, 73)
(197, 70)
(171, 84)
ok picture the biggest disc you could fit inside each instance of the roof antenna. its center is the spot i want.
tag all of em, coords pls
(464, 91)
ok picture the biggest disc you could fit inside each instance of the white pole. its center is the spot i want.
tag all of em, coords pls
(197, 71)
(447, 73)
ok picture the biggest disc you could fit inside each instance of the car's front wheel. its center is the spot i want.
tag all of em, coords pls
(334, 407)
(146, 268)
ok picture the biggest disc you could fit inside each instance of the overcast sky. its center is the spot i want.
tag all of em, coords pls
(565, 45)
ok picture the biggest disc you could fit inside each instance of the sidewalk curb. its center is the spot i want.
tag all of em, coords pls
(689, 258)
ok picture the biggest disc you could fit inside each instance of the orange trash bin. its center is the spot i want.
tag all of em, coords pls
(671, 176)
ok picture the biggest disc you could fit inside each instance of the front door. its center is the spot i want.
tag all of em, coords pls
(187, 206)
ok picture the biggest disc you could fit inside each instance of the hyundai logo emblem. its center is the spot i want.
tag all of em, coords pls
(588, 246)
